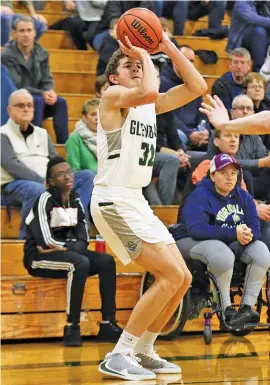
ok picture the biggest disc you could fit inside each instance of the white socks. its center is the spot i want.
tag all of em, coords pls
(146, 343)
(126, 343)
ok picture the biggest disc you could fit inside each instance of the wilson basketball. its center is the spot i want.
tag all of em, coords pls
(142, 27)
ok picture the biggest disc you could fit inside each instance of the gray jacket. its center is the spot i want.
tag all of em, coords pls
(251, 149)
(37, 77)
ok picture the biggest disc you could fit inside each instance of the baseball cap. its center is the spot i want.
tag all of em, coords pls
(222, 160)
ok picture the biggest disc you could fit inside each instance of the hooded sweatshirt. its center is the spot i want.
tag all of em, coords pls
(210, 215)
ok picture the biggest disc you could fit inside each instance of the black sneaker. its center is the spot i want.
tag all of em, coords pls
(245, 315)
(229, 313)
(109, 331)
(72, 335)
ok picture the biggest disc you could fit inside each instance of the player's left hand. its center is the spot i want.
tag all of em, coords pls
(130, 50)
(216, 112)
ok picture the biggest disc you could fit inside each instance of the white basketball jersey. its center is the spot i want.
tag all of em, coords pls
(126, 155)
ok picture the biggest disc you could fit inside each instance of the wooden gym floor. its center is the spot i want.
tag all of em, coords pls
(227, 361)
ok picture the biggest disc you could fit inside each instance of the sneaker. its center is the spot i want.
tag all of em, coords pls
(157, 364)
(124, 366)
(72, 335)
(109, 331)
(229, 313)
(245, 315)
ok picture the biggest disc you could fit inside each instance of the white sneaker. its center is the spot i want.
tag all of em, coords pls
(156, 364)
(125, 366)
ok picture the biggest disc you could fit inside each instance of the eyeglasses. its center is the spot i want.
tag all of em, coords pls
(63, 174)
(22, 106)
(253, 86)
(242, 108)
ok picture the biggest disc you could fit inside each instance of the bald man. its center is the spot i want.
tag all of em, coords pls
(257, 124)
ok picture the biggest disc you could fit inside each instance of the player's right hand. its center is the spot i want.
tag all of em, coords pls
(132, 51)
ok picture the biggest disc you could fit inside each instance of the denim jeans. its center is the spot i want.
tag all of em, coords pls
(98, 39)
(166, 169)
(58, 112)
(7, 22)
(256, 40)
(24, 193)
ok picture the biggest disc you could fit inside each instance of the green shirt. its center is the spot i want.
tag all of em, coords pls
(79, 157)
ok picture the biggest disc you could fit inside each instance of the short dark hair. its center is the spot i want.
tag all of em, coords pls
(26, 19)
(100, 82)
(53, 162)
(111, 68)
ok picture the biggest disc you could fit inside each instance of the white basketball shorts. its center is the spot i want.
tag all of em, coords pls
(124, 219)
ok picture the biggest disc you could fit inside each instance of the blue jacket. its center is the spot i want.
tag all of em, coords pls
(244, 15)
(185, 118)
(209, 215)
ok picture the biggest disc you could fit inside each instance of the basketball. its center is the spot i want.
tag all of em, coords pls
(142, 27)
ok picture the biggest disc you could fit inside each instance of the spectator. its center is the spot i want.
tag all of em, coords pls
(187, 118)
(220, 219)
(7, 87)
(81, 145)
(255, 87)
(250, 26)
(23, 58)
(166, 164)
(82, 24)
(214, 9)
(252, 154)
(113, 10)
(229, 85)
(101, 85)
(229, 143)
(25, 151)
(108, 46)
(8, 18)
(175, 10)
(56, 247)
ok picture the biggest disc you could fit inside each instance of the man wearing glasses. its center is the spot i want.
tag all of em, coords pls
(25, 151)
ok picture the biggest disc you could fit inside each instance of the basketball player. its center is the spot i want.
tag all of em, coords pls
(258, 124)
(126, 142)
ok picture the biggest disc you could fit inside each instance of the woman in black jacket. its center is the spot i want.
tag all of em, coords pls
(57, 247)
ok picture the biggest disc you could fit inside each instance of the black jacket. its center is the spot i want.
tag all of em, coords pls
(227, 89)
(114, 9)
(264, 106)
(50, 223)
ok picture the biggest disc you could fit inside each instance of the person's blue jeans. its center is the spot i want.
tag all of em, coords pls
(7, 87)
(7, 22)
(256, 40)
(176, 10)
(166, 169)
(58, 112)
(22, 193)
(98, 39)
(84, 184)
(184, 139)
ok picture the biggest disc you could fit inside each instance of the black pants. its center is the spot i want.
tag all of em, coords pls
(76, 268)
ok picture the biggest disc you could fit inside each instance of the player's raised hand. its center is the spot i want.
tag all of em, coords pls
(130, 50)
(164, 43)
(216, 111)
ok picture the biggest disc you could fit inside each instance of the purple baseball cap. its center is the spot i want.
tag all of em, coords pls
(222, 160)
